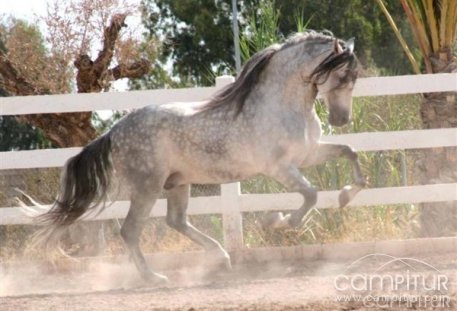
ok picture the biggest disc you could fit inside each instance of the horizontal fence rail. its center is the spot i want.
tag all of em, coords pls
(409, 84)
(376, 86)
(267, 202)
(19, 105)
(231, 203)
(371, 141)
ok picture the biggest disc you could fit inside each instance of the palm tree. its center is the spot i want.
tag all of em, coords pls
(434, 25)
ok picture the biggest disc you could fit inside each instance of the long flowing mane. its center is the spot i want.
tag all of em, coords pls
(237, 92)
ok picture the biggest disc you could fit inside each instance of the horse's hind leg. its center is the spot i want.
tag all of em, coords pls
(177, 202)
(140, 208)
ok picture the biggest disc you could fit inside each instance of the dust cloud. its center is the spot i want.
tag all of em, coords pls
(73, 276)
(100, 275)
(36, 279)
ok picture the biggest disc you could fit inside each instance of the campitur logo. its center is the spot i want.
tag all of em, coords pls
(384, 281)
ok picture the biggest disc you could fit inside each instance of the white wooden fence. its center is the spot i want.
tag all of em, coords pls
(231, 203)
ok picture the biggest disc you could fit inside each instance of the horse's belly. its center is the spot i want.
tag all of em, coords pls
(213, 171)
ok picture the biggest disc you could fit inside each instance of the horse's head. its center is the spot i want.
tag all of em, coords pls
(318, 59)
(334, 79)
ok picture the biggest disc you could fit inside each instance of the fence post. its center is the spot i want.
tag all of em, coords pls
(222, 81)
(232, 220)
(230, 193)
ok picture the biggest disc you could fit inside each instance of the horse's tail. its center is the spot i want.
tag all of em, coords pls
(85, 183)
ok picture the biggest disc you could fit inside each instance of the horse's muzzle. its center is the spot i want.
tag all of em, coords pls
(338, 119)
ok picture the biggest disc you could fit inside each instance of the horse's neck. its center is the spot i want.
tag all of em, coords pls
(286, 93)
(286, 101)
(284, 86)
(286, 81)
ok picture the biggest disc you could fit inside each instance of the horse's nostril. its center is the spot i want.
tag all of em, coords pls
(339, 120)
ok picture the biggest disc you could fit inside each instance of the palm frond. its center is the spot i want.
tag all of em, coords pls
(451, 24)
(414, 15)
(432, 24)
(444, 6)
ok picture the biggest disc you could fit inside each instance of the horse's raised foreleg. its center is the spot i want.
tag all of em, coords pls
(177, 202)
(326, 152)
(140, 208)
(294, 181)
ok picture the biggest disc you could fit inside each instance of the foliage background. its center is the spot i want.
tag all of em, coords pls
(198, 43)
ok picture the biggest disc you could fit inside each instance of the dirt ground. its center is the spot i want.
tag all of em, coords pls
(286, 286)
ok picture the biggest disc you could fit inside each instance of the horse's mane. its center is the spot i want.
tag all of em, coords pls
(237, 92)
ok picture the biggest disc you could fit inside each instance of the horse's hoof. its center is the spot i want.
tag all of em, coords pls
(344, 198)
(155, 279)
(347, 194)
(275, 220)
(227, 263)
(295, 222)
(221, 261)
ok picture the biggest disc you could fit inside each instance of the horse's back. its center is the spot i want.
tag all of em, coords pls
(181, 137)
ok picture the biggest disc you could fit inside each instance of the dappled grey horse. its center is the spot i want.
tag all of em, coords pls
(263, 123)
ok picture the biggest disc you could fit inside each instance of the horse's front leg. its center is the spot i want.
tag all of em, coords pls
(294, 181)
(326, 152)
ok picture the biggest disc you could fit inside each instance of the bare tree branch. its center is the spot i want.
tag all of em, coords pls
(135, 70)
(110, 34)
(63, 130)
(74, 129)
(94, 76)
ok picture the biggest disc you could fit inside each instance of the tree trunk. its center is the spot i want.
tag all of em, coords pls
(65, 129)
(76, 129)
(439, 110)
(62, 129)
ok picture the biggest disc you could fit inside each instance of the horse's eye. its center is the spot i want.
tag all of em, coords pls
(350, 76)
(345, 80)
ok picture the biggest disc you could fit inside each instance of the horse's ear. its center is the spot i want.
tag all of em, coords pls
(350, 45)
(337, 49)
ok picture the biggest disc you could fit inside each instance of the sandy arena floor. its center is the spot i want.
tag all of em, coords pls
(289, 286)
